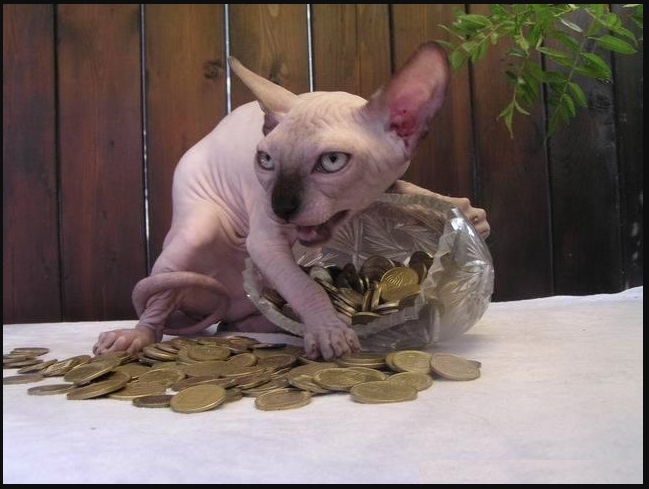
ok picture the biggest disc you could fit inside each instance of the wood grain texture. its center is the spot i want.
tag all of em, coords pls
(271, 40)
(101, 159)
(514, 182)
(185, 93)
(351, 47)
(629, 94)
(445, 158)
(30, 244)
(585, 199)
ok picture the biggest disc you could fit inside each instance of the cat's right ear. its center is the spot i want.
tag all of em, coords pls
(274, 100)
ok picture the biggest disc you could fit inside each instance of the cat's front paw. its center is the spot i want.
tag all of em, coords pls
(329, 338)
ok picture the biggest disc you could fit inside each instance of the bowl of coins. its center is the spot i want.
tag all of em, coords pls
(408, 271)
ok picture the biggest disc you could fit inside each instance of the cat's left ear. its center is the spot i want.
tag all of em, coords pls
(407, 103)
(274, 100)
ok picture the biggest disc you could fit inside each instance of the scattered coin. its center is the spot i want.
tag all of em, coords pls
(382, 391)
(47, 390)
(417, 380)
(198, 398)
(454, 367)
(157, 401)
(22, 379)
(282, 399)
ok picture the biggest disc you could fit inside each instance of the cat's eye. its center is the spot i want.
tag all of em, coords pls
(265, 161)
(332, 162)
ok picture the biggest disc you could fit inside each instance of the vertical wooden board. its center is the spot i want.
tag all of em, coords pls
(585, 199)
(629, 95)
(30, 244)
(351, 47)
(271, 40)
(445, 158)
(185, 94)
(335, 49)
(101, 159)
(514, 182)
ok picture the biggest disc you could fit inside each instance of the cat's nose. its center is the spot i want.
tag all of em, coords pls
(286, 206)
(286, 199)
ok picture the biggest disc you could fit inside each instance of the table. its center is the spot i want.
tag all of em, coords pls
(560, 400)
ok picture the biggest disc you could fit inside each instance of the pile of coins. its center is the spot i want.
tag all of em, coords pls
(211, 371)
(380, 287)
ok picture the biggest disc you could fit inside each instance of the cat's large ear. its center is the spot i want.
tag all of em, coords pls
(408, 102)
(274, 100)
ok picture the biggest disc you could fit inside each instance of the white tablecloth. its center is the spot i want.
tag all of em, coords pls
(560, 400)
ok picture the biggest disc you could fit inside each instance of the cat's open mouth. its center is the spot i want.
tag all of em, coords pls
(320, 234)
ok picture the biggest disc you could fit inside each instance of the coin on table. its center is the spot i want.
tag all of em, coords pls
(204, 353)
(306, 383)
(31, 350)
(232, 395)
(32, 369)
(156, 401)
(454, 367)
(115, 381)
(339, 379)
(154, 352)
(281, 399)
(22, 379)
(83, 374)
(309, 369)
(208, 379)
(133, 390)
(133, 369)
(48, 390)
(417, 380)
(166, 376)
(272, 384)
(277, 361)
(198, 398)
(243, 360)
(21, 363)
(411, 361)
(382, 391)
(362, 359)
(64, 366)
(370, 374)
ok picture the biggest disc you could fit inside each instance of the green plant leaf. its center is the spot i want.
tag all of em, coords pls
(598, 64)
(476, 19)
(555, 54)
(578, 93)
(615, 44)
(571, 25)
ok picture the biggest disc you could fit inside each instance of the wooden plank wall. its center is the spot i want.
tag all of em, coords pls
(101, 101)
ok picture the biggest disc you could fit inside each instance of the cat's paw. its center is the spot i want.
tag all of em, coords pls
(330, 338)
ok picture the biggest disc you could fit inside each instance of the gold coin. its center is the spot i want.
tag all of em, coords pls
(370, 373)
(138, 389)
(411, 361)
(204, 353)
(282, 399)
(362, 359)
(413, 379)
(203, 369)
(22, 379)
(396, 294)
(277, 361)
(309, 369)
(306, 383)
(421, 257)
(64, 366)
(116, 381)
(232, 395)
(454, 367)
(339, 379)
(21, 363)
(271, 385)
(165, 376)
(152, 351)
(36, 351)
(396, 279)
(376, 266)
(121, 356)
(382, 391)
(47, 390)
(250, 381)
(156, 401)
(85, 373)
(133, 369)
(421, 270)
(243, 360)
(30, 369)
(210, 379)
(198, 398)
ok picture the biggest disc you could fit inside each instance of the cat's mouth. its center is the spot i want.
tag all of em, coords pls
(320, 234)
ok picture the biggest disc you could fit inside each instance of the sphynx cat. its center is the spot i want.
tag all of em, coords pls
(288, 168)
